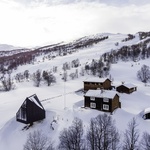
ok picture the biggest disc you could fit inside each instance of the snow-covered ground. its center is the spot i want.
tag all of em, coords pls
(65, 103)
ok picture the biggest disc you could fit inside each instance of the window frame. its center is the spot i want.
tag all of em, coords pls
(92, 105)
(105, 107)
(92, 98)
(106, 100)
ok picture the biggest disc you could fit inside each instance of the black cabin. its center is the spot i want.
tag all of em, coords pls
(104, 100)
(30, 111)
(146, 114)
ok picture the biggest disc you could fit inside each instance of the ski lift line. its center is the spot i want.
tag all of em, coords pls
(47, 99)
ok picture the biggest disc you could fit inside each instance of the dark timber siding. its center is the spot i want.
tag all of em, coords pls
(95, 85)
(97, 101)
(30, 111)
(112, 103)
(147, 116)
(107, 84)
(124, 89)
(34, 113)
(115, 103)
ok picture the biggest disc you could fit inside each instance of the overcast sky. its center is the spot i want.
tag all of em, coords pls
(39, 22)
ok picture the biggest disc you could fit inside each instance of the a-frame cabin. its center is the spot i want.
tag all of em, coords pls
(30, 111)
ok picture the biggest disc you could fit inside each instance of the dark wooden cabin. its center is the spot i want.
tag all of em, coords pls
(30, 111)
(97, 83)
(126, 88)
(103, 100)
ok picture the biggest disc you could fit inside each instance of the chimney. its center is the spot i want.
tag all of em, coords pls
(122, 82)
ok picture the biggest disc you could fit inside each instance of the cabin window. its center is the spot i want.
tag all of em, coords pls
(92, 98)
(23, 113)
(24, 104)
(93, 105)
(105, 100)
(105, 107)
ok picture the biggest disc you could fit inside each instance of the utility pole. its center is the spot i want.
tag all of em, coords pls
(64, 95)
(64, 89)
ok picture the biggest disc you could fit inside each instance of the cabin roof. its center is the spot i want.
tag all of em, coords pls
(96, 80)
(129, 85)
(101, 93)
(147, 110)
(35, 100)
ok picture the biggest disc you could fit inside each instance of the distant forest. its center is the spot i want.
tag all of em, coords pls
(11, 60)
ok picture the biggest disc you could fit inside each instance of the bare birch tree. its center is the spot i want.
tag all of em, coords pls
(102, 134)
(71, 138)
(145, 142)
(38, 141)
(131, 136)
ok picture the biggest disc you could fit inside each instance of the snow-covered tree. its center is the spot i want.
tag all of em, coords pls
(102, 134)
(71, 138)
(38, 141)
(7, 82)
(26, 74)
(49, 77)
(145, 142)
(144, 74)
(131, 136)
(37, 77)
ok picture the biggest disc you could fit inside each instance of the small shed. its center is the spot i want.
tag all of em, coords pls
(103, 100)
(146, 113)
(97, 83)
(126, 88)
(30, 111)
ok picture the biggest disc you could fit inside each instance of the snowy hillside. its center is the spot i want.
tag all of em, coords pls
(63, 100)
(5, 47)
(58, 2)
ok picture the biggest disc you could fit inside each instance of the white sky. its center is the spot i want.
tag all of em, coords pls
(26, 23)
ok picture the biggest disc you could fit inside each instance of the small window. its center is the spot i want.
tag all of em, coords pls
(105, 107)
(93, 105)
(24, 105)
(105, 100)
(92, 98)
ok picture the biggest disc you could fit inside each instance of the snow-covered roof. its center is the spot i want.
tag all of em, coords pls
(96, 79)
(147, 110)
(101, 93)
(34, 100)
(129, 85)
